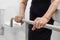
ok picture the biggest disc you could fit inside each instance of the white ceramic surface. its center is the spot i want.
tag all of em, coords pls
(17, 32)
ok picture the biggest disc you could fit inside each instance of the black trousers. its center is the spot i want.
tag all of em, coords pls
(40, 34)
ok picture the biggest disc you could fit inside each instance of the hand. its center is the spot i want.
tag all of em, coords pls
(39, 22)
(18, 19)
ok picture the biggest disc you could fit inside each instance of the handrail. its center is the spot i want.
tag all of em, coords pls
(49, 26)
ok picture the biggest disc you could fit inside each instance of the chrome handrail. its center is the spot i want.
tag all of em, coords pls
(49, 26)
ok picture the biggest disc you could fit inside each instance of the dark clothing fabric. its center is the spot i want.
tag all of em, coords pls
(38, 9)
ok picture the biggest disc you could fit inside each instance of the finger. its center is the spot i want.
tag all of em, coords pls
(37, 24)
(19, 19)
(16, 19)
(40, 24)
(33, 28)
(34, 23)
(38, 18)
(44, 25)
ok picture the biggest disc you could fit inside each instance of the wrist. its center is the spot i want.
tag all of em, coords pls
(22, 16)
(47, 18)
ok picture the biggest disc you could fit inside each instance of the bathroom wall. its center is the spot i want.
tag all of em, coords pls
(12, 9)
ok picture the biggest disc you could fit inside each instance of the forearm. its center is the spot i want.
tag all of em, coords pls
(22, 8)
(51, 9)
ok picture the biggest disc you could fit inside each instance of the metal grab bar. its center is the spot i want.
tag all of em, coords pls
(53, 27)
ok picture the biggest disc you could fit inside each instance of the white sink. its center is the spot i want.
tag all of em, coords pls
(13, 33)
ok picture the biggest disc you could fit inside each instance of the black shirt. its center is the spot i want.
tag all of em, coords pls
(38, 9)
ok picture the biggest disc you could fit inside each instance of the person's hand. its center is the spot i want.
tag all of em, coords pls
(18, 19)
(39, 22)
